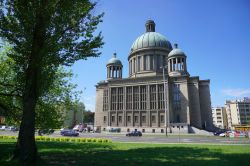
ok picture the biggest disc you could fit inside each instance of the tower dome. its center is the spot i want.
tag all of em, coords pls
(114, 68)
(176, 51)
(177, 62)
(114, 60)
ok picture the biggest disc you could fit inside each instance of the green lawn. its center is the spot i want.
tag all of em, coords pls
(118, 154)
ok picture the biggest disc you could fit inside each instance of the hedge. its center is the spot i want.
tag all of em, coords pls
(63, 139)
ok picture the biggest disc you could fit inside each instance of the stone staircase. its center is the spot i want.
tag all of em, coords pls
(197, 131)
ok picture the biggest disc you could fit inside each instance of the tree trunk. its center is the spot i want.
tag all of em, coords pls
(26, 150)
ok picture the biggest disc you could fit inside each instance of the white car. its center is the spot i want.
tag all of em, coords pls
(222, 135)
(76, 128)
(3, 128)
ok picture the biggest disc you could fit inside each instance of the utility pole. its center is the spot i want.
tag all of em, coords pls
(165, 99)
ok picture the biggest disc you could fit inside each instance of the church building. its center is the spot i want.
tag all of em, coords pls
(158, 96)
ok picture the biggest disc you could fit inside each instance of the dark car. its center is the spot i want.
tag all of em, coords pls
(134, 133)
(115, 130)
(45, 131)
(69, 133)
(217, 133)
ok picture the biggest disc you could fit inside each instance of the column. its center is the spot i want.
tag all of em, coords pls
(139, 118)
(121, 72)
(107, 72)
(185, 64)
(157, 118)
(139, 91)
(148, 105)
(132, 88)
(124, 97)
(109, 123)
(149, 118)
(112, 71)
(109, 99)
(124, 118)
(176, 63)
(156, 92)
(169, 66)
(132, 66)
(116, 118)
(172, 60)
(116, 98)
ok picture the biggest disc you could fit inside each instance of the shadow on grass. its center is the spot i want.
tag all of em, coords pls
(53, 153)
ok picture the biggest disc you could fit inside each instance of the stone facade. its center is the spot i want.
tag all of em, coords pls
(142, 101)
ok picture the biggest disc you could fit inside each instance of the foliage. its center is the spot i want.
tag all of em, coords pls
(10, 91)
(50, 107)
(89, 117)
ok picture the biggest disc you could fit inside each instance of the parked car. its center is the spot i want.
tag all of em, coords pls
(239, 134)
(69, 133)
(45, 131)
(218, 132)
(76, 128)
(11, 128)
(222, 134)
(115, 130)
(2, 127)
(134, 133)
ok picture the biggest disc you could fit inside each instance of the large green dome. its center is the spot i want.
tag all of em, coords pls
(151, 40)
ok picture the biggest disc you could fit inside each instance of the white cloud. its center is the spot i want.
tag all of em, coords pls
(236, 92)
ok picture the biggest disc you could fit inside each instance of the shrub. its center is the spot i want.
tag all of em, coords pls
(83, 139)
(52, 139)
(42, 138)
(62, 139)
(38, 138)
(47, 139)
(72, 140)
(57, 139)
(99, 140)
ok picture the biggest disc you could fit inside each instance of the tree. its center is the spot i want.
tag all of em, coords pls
(50, 108)
(89, 116)
(45, 34)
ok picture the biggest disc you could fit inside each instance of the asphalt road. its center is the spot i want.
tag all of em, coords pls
(149, 138)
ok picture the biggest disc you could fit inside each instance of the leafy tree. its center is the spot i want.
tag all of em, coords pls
(49, 109)
(89, 116)
(10, 94)
(45, 34)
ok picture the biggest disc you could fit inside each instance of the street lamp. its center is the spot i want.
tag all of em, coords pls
(84, 106)
(165, 100)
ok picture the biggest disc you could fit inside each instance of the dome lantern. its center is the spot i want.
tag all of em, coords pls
(150, 26)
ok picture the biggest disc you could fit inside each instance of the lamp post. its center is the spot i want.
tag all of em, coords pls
(84, 106)
(165, 100)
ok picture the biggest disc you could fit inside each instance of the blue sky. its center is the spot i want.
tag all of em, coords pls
(214, 34)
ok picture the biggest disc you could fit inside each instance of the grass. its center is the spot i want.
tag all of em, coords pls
(131, 154)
